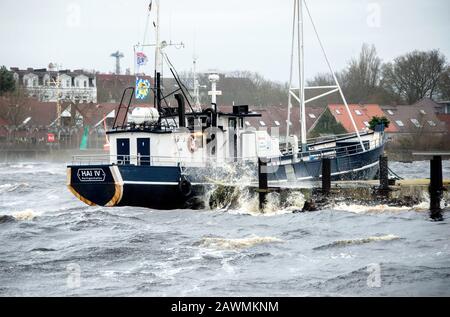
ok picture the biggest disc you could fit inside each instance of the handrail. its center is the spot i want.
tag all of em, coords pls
(154, 160)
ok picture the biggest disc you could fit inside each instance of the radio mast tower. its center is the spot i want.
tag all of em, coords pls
(118, 55)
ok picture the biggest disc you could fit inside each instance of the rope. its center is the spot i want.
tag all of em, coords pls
(395, 174)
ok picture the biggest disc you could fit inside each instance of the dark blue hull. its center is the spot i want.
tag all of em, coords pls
(167, 188)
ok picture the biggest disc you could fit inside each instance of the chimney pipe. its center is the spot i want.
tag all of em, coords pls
(181, 110)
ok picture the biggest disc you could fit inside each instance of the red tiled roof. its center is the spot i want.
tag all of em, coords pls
(362, 114)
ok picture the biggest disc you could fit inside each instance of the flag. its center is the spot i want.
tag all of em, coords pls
(142, 88)
(141, 59)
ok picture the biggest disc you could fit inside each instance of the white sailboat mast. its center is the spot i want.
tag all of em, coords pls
(300, 97)
(158, 56)
(301, 54)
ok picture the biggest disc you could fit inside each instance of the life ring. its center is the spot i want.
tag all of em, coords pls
(192, 146)
(185, 186)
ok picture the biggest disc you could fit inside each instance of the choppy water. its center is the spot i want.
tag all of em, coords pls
(53, 245)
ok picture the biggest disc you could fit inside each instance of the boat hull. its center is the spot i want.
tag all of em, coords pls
(166, 187)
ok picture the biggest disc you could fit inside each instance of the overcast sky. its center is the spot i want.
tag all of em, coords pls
(229, 35)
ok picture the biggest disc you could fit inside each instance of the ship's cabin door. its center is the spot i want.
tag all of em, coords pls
(143, 151)
(123, 151)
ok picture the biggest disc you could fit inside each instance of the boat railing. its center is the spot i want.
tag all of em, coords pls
(141, 160)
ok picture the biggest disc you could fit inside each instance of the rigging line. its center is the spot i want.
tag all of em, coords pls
(180, 84)
(334, 75)
(179, 78)
(146, 29)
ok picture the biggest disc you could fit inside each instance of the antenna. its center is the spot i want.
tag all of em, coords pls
(118, 55)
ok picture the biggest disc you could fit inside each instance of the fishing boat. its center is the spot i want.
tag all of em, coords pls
(164, 157)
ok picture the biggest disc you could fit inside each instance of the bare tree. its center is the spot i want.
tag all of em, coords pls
(415, 75)
(361, 79)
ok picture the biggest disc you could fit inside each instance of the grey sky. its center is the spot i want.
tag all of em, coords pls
(229, 35)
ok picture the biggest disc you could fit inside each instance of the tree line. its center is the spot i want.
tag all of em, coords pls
(405, 80)
(365, 79)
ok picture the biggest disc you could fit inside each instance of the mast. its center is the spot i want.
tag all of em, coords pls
(158, 61)
(301, 55)
(300, 97)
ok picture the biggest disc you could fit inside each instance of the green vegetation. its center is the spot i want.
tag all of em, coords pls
(379, 120)
(7, 83)
(327, 125)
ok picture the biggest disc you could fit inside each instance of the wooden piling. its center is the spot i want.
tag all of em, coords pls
(436, 185)
(263, 183)
(384, 173)
(326, 176)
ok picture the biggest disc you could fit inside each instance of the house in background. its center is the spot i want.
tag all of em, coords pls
(415, 120)
(276, 117)
(49, 85)
(443, 107)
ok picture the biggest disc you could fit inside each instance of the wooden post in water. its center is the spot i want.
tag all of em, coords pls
(384, 173)
(436, 187)
(263, 182)
(326, 176)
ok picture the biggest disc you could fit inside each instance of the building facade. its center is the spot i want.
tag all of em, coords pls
(49, 85)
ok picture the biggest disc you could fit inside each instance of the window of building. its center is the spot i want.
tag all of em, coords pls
(77, 83)
(431, 123)
(85, 84)
(338, 112)
(288, 123)
(312, 115)
(366, 124)
(68, 83)
(262, 123)
(416, 123)
(358, 113)
(400, 123)
(247, 124)
(35, 83)
(423, 112)
(390, 112)
(277, 123)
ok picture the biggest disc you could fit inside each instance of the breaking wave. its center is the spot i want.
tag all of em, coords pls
(26, 215)
(236, 244)
(378, 209)
(343, 243)
(7, 188)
